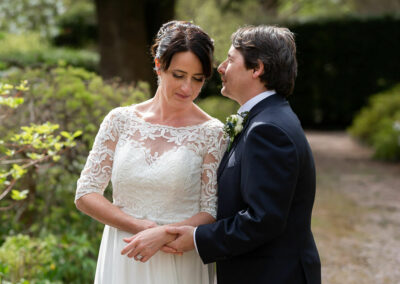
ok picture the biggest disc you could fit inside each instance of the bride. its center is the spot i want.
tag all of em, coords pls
(161, 156)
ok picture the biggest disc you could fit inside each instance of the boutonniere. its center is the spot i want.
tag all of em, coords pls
(234, 125)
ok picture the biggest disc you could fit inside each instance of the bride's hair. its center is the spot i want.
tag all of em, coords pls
(180, 36)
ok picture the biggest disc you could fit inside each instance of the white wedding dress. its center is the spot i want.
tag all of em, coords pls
(161, 173)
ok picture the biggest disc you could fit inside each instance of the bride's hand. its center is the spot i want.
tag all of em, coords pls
(143, 224)
(145, 244)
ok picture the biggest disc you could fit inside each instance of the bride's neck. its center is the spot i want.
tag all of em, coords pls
(163, 110)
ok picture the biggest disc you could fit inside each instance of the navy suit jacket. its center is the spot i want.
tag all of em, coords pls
(266, 190)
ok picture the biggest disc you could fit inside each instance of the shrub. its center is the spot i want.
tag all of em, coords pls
(30, 147)
(50, 259)
(74, 99)
(77, 26)
(26, 258)
(218, 107)
(376, 124)
(30, 50)
(20, 16)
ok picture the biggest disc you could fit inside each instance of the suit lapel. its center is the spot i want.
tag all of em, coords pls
(222, 164)
(271, 100)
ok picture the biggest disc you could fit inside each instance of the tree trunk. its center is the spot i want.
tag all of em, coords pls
(126, 30)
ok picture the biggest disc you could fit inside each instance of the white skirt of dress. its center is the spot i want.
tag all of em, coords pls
(162, 268)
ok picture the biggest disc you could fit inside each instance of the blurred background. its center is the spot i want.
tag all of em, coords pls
(64, 64)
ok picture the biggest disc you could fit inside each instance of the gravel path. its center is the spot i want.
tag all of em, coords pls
(356, 219)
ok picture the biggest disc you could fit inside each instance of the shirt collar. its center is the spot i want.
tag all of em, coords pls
(247, 106)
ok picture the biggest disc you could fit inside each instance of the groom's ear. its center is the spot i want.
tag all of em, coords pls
(258, 70)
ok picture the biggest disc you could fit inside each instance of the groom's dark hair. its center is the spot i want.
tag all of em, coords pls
(276, 48)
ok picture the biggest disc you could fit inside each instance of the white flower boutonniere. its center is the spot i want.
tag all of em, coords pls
(234, 125)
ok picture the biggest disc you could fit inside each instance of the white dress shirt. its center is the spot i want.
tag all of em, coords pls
(247, 106)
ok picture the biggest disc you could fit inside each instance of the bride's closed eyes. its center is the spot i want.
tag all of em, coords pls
(181, 76)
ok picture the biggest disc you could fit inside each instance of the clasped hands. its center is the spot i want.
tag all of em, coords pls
(169, 239)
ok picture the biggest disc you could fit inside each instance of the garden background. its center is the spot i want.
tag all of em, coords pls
(64, 64)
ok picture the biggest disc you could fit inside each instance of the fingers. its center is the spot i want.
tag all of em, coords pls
(128, 240)
(174, 245)
(168, 249)
(174, 230)
(128, 247)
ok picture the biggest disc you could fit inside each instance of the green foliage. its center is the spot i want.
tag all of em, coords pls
(29, 50)
(74, 99)
(315, 8)
(73, 255)
(26, 258)
(377, 124)
(33, 145)
(218, 23)
(19, 16)
(218, 107)
(78, 25)
(48, 259)
(9, 99)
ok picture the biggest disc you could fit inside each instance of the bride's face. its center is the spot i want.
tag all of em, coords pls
(181, 83)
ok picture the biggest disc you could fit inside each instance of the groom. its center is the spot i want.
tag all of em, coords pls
(266, 181)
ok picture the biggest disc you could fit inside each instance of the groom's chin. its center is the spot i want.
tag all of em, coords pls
(224, 93)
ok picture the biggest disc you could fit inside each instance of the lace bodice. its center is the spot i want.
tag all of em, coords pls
(161, 173)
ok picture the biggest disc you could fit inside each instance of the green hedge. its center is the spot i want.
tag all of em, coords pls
(30, 50)
(341, 63)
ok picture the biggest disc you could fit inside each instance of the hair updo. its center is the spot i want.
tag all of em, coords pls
(180, 36)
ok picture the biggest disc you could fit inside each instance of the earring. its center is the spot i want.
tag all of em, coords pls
(157, 63)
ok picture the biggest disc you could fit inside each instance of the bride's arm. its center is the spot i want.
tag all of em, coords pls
(96, 175)
(99, 208)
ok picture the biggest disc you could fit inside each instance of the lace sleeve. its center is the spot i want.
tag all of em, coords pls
(97, 171)
(216, 146)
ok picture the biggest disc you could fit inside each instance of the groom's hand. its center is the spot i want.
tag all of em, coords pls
(184, 241)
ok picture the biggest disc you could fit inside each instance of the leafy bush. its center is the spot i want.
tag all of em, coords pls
(77, 26)
(218, 107)
(26, 257)
(30, 50)
(31, 146)
(50, 259)
(20, 16)
(74, 259)
(74, 99)
(376, 124)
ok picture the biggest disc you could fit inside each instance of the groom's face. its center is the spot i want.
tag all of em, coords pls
(234, 75)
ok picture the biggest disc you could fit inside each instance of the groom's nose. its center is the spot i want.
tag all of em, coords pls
(221, 67)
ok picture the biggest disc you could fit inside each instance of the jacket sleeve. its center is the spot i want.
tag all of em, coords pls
(269, 168)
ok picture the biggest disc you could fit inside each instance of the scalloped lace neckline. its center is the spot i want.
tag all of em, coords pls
(138, 117)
